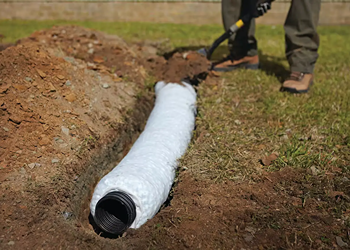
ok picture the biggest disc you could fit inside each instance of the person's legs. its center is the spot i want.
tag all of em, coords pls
(302, 42)
(243, 42)
(242, 45)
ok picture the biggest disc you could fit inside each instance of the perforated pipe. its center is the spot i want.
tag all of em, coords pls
(135, 189)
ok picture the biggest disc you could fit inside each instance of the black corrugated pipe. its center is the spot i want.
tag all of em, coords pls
(115, 212)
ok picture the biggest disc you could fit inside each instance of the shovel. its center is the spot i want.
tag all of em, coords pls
(233, 29)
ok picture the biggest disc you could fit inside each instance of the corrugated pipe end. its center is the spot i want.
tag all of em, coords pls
(115, 213)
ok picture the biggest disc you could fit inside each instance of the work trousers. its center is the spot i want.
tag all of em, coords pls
(301, 38)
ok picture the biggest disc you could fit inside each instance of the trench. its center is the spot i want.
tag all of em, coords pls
(106, 159)
(111, 155)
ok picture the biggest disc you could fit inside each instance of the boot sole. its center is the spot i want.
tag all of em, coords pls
(239, 66)
(295, 91)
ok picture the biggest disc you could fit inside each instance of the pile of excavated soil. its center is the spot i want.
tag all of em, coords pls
(101, 52)
(109, 53)
(50, 104)
(179, 66)
(65, 119)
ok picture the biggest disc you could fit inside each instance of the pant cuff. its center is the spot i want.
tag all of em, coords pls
(302, 69)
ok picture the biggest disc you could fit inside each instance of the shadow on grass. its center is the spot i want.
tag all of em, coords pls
(271, 65)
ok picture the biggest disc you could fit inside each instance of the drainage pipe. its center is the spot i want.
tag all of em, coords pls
(135, 189)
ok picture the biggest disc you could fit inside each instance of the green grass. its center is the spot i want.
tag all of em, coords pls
(178, 35)
(243, 116)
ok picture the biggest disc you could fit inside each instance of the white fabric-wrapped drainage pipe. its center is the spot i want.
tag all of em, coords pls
(135, 189)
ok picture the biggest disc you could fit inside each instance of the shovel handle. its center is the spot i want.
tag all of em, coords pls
(233, 29)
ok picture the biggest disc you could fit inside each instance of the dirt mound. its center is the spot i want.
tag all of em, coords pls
(108, 52)
(49, 105)
(101, 52)
(60, 116)
(188, 65)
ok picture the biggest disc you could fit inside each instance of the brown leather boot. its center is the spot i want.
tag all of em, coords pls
(229, 63)
(297, 83)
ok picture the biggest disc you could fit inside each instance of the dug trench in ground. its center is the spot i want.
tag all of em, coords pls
(72, 102)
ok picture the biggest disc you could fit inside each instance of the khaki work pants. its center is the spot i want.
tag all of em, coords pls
(301, 36)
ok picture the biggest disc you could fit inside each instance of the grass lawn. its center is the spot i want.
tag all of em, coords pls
(243, 117)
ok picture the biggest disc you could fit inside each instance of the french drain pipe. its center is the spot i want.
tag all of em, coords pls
(135, 189)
